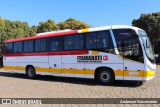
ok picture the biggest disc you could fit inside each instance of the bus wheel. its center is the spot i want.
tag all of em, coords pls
(105, 76)
(31, 72)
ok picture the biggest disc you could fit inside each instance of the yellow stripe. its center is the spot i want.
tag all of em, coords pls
(149, 74)
(95, 52)
(118, 72)
(14, 68)
(56, 70)
(42, 69)
(89, 72)
(84, 30)
(68, 71)
(139, 73)
(79, 71)
(127, 73)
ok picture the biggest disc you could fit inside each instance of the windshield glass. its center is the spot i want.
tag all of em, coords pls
(147, 45)
(128, 44)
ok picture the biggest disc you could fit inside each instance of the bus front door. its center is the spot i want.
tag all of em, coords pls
(133, 59)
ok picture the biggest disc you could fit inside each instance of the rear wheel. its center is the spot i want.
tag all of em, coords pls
(105, 76)
(31, 73)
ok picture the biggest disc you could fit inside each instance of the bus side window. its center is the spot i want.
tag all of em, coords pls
(28, 46)
(55, 45)
(17, 47)
(40, 45)
(78, 41)
(91, 39)
(68, 42)
(102, 40)
(9, 47)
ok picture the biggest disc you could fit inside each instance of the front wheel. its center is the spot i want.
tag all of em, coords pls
(105, 76)
(31, 72)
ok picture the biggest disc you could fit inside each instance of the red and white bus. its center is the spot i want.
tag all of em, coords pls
(104, 53)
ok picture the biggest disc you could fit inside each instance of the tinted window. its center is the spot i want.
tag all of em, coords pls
(68, 42)
(98, 40)
(17, 47)
(40, 45)
(147, 46)
(91, 39)
(128, 44)
(28, 46)
(78, 41)
(102, 40)
(9, 48)
(55, 45)
(73, 42)
(121, 34)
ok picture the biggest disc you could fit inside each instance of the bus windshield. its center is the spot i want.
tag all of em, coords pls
(147, 46)
(128, 44)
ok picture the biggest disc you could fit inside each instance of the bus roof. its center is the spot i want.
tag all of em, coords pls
(68, 32)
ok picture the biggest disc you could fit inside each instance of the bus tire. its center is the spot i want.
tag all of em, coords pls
(31, 73)
(105, 76)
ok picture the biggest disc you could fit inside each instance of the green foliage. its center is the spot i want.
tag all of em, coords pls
(47, 26)
(33, 30)
(72, 24)
(17, 29)
(151, 24)
(13, 29)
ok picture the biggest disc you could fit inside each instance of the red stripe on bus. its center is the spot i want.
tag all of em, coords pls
(43, 36)
(48, 53)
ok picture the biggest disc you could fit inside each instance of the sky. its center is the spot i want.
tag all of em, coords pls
(94, 12)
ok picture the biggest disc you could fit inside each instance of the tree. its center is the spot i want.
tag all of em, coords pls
(26, 29)
(72, 24)
(2, 28)
(47, 26)
(15, 29)
(151, 24)
(2, 34)
(33, 30)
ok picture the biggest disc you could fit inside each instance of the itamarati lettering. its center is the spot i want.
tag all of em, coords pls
(96, 58)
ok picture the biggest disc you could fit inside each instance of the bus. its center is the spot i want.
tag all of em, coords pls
(106, 54)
